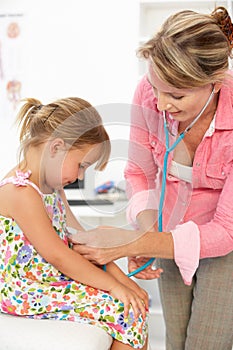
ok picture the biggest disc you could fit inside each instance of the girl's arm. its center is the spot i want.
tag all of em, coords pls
(71, 219)
(27, 208)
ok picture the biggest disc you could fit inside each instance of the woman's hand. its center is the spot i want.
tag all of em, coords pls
(98, 256)
(106, 236)
(148, 273)
(103, 244)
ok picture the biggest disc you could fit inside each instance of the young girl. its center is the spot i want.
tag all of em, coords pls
(40, 275)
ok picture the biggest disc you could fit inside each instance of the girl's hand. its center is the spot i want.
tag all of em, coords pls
(147, 274)
(141, 293)
(115, 271)
(130, 299)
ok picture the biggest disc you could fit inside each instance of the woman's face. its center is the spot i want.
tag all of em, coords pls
(182, 104)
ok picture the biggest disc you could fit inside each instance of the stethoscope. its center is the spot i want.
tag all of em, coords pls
(169, 149)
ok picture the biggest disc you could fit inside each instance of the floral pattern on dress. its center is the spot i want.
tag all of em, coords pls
(31, 287)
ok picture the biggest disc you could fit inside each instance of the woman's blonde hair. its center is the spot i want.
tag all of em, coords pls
(191, 49)
(72, 119)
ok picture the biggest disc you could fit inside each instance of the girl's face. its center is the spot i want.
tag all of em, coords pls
(66, 166)
(182, 104)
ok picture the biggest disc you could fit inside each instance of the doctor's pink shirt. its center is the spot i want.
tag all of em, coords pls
(199, 214)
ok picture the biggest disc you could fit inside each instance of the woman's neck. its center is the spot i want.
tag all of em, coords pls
(205, 119)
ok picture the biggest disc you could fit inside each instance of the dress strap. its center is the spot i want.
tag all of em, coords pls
(21, 179)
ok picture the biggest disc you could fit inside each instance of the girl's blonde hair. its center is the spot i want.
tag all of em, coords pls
(191, 49)
(72, 119)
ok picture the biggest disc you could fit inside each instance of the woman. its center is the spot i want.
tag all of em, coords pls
(189, 89)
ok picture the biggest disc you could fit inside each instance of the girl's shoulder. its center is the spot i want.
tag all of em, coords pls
(14, 189)
(19, 178)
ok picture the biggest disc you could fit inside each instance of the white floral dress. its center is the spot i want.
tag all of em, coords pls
(31, 287)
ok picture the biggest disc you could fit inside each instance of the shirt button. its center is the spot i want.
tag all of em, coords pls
(153, 143)
(198, 164)
(223, 173)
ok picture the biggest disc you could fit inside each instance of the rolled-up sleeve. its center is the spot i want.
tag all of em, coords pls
(186, 239)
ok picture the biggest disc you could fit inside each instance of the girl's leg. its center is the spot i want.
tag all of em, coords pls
(116, 345)
(108, 313)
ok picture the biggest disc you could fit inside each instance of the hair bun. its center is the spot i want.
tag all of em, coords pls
(224, 22)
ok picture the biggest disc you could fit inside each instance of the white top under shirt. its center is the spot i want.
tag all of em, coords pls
(184, 172)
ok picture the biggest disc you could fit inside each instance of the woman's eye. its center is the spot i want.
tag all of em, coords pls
(177, 97)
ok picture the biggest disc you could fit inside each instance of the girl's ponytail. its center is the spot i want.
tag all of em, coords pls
(25, 116)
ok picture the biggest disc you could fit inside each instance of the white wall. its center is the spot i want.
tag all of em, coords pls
(74, 48)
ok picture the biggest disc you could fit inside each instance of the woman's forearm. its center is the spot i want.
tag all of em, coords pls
(129, 243)
(151, 244)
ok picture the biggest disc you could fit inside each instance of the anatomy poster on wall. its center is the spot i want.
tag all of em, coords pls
(10, 64)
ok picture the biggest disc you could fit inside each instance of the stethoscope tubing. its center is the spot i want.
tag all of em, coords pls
(163, 189)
